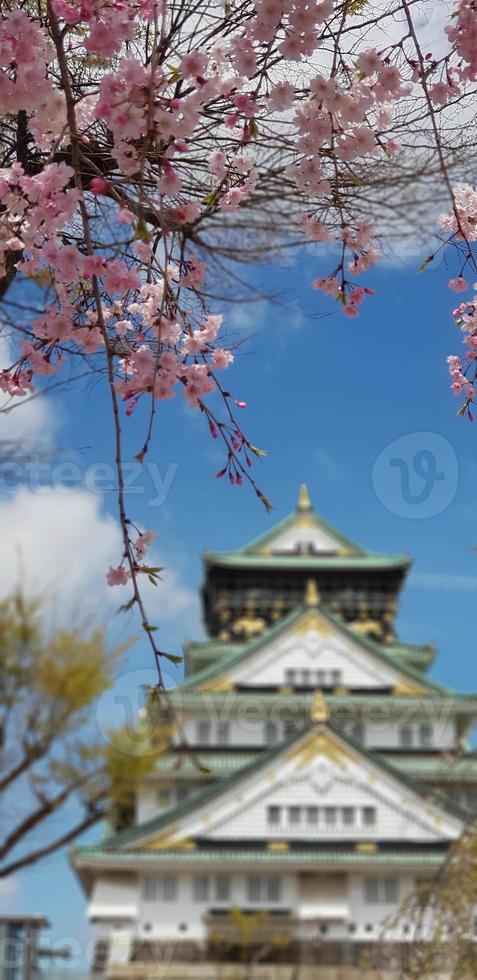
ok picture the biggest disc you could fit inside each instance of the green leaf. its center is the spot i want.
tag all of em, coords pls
(140, 456)
(173, 657)
(425, 263)
(151, 629)
(127, 605)
(256, 451)
(150, 570)
(175, 71)
(212, 197)
(252, 129)
(265, 501)
(142, 231)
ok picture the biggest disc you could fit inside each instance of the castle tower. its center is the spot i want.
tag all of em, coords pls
(325, 774)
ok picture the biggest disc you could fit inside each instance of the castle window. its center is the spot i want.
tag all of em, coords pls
(406, 736)
(271, 733)
(223, 733)
(371, 891)
(348, 815)
(254, 888)
(159, 888)
(149, 889)
(369, 816)
(203, 732)
(273, 888)
(222, 888)
(390, 891)
(274, 814)
(381, 891)
(305, 678)
(336, 677)
(312, 815)
(290, 677)
(330, 816)
(200, 888)
(182, 793)
(294, 815)
(321, 678)
(425, 735)
(267, 889)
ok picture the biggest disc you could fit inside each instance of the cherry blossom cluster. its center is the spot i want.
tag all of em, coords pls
(463, 372)
(131, 132)
(157, 351)
(109, 23)
(461, 227)
(462, 33)
(121, 575)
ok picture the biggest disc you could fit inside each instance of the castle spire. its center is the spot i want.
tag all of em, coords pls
(304, 502)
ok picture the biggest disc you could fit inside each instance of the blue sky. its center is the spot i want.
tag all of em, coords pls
(326, 397)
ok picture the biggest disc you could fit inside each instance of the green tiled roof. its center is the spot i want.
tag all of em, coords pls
(83, 857)
(422, 765)
(211, 647)
(419, 655)
(435, 767)
(264, 539)
(311, 562)
(301, 704)
(248, 649)
(219, 763)
(251, 554)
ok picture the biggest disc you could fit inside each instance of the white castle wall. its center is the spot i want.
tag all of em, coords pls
(336, 900)
(247, 726)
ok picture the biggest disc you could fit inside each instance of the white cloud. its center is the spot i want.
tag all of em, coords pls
(444, 580)
(246, 318)
(29, 419)
(32, 418)
(56, 542)
(61, 545)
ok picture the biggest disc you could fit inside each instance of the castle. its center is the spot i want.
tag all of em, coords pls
(314, 776)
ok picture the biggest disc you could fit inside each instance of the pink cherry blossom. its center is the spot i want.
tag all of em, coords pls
(458, 284)
(193, 64)
(117, 576)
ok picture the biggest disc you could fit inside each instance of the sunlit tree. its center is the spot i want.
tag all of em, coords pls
(58, 774)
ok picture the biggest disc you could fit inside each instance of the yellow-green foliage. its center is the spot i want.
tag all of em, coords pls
(126, 762)
(50, 681)
(248, 925)
(75, 670)
(356, 6)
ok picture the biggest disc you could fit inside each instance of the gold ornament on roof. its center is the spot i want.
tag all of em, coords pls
(249, 626)
(365, 626)
(319, 710)
(304, 502)
(312, 595)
